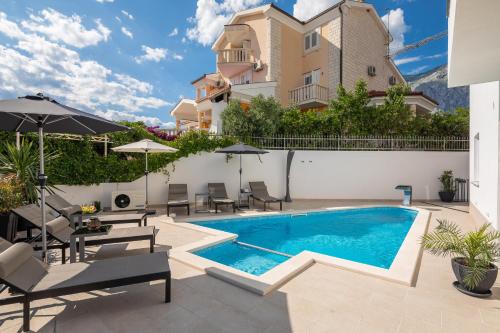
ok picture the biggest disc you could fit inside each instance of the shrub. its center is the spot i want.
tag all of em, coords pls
(11, 195)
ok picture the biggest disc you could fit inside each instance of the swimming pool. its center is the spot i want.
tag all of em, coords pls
(369, 236)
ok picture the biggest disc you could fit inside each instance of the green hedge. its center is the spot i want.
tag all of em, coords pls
(83, 162)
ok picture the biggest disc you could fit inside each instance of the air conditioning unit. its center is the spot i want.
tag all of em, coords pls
(392, 80)
(258, 66)
(372, 71)
(127, 200)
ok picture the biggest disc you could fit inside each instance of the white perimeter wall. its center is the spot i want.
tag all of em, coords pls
(314, 175)
(484, 120)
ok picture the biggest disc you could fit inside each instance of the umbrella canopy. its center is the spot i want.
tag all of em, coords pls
(241, 149)
(25, 114)
(143, 146)
(41, 113)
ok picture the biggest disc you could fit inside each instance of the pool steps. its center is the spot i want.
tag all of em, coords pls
(263, 249)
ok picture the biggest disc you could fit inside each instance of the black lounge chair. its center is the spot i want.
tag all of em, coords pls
(218, 196)
(259, 192)
(177, 197)
(35, 280)
(65, 208)
(60, 231)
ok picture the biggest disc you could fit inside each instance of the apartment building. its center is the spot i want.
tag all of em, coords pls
(267, 51)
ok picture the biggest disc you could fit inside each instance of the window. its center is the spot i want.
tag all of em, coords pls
(311, 40)
(312, 77)
(476, 158)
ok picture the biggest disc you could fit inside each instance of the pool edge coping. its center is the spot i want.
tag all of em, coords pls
(404, 268)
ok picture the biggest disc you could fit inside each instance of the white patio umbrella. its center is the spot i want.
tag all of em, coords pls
(144, 146)
(43, 114)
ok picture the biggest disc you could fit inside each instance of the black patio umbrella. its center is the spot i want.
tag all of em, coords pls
(43, 114)
(241, 149)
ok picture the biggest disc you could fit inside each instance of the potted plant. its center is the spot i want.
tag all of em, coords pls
(473, 255)
(448, 186)
(10, 197)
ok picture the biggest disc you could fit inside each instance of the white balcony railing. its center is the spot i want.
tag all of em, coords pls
(239, 55)
(309, 93)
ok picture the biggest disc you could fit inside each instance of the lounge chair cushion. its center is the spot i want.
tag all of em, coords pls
(225, 201)
(19, 268)
(63, 276)
(177, 202)
(71, 210)
(57, 225)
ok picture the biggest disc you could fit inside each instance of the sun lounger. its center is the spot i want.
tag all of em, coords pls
(218, 196)
(60, 231)
(35, 280)
(63, 207)
(177, 197)
(4, 244)
(259, 192)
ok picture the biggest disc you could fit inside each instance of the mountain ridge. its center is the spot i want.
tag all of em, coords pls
(434, 83)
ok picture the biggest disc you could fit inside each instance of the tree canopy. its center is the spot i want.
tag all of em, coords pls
(348, 114)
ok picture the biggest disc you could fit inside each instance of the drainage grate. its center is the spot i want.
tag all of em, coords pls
(263, 249)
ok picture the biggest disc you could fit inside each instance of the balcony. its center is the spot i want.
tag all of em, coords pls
(309, 96)
(234, 61)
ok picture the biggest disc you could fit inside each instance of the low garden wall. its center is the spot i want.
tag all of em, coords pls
(314, 175)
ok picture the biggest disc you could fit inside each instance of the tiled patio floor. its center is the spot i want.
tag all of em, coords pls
(321, 299)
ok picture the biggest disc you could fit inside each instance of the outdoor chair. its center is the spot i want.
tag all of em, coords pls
(33, 280)
(259, 192)
(60, 231)
(177, 197)
(218, 196)
(4, 244)
(65, 208)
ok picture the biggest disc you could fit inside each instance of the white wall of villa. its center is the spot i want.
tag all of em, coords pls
(314, 175)
(474, 59)
(484, 152)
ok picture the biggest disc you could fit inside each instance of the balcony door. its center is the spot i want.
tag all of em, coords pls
(310, 79)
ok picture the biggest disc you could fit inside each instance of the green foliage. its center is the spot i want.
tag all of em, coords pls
(11, 195)
(348, 114)
(447, 181)
(24, 164)
(263, 118)
(478, 248)
(83, 162)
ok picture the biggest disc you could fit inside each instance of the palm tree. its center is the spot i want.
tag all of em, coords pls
(23, 162)
(476, 249)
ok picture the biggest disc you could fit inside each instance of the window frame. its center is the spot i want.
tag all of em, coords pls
(309, 35)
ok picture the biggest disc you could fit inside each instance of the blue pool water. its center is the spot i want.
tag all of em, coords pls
(371, 236)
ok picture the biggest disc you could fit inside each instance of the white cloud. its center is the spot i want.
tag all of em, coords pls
(184, 40)
(417, 70)
(103, 1)
(35, 64)
(127, 14)
(59, 27)
(397, 27)
(177, 56)
(211, 15)
(151, 54)
(305, 9)
(127, 32)
(118, 19)
(174, 32)
(408, 60)
(156, 55)
(124, 116)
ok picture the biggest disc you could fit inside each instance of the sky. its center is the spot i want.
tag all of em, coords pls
(133, 60)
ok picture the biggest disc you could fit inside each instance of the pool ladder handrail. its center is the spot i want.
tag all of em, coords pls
(263, 249)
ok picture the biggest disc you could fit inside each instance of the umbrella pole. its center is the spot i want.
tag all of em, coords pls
(147, 172)
(42, 179)
(239, 190)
